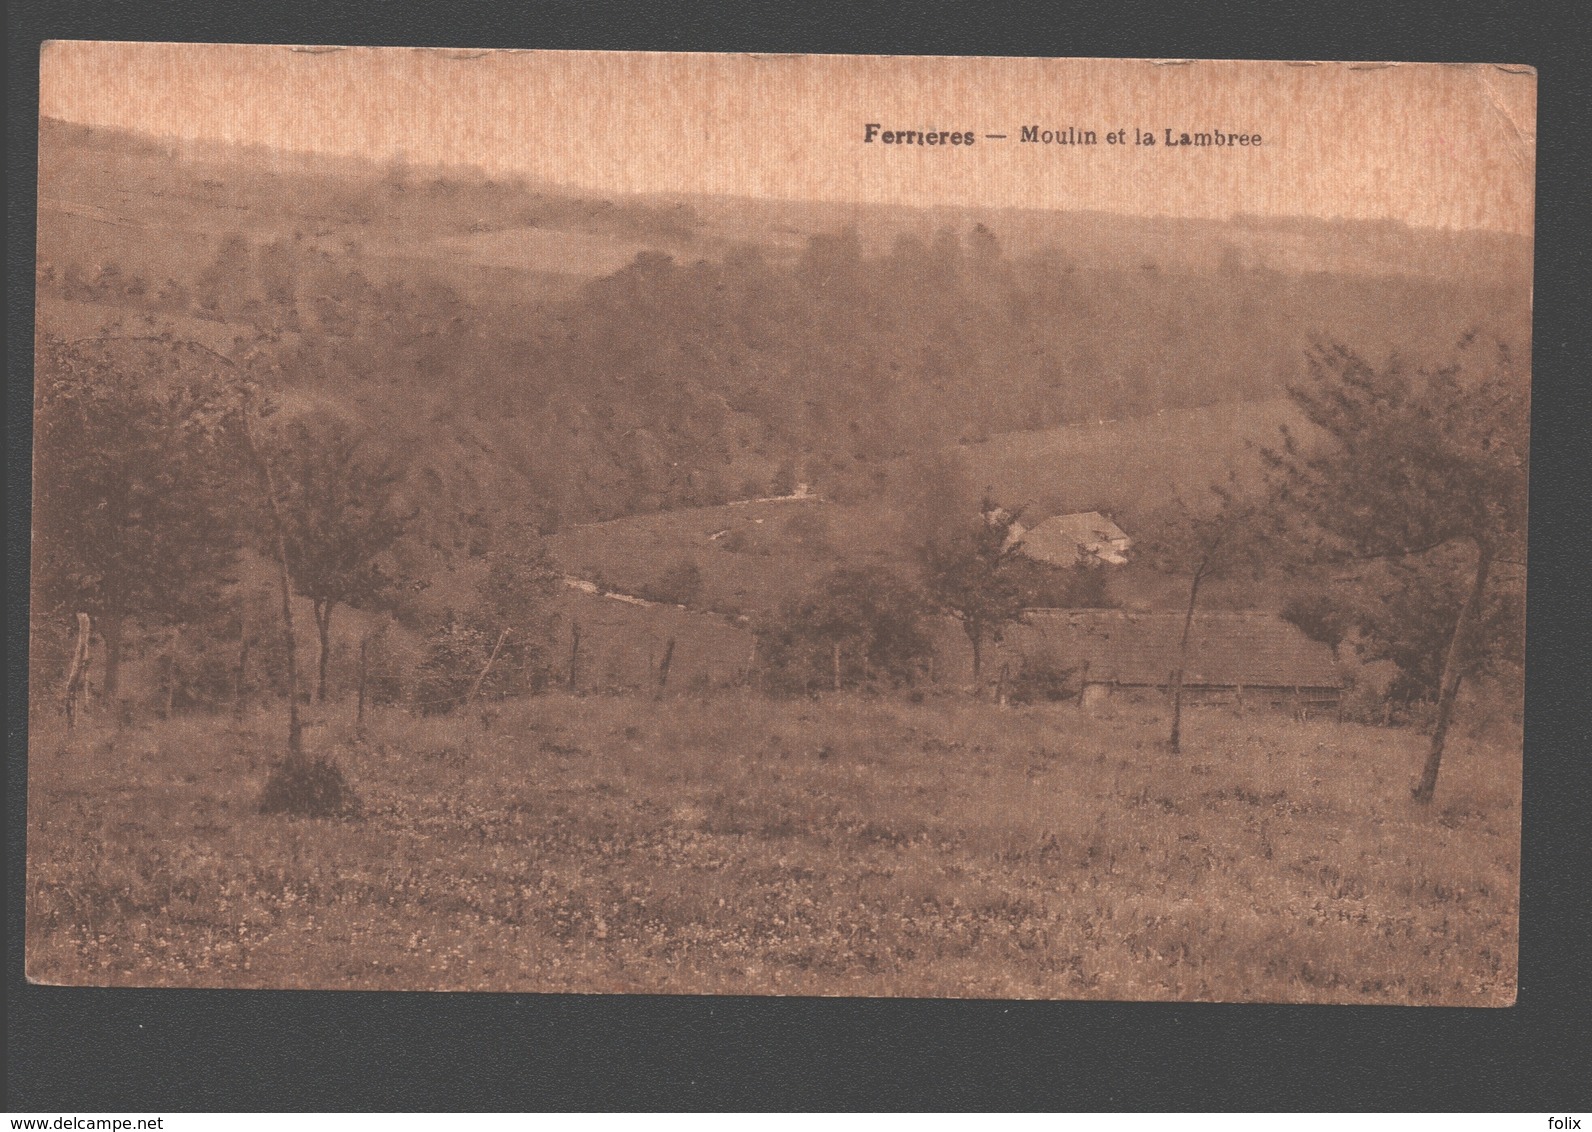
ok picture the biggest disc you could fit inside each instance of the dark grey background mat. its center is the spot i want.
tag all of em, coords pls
(167, 1050)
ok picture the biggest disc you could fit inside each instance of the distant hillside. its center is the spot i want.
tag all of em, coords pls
(1128, 468)
(751, 556)
(551, 358)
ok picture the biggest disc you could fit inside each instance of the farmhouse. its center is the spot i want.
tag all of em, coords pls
(1070, 540)
(1247, 658)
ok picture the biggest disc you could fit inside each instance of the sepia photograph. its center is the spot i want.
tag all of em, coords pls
(730, 524)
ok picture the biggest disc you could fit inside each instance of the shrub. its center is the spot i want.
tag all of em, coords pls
(308, 787)
(1042, 585)
(1043, 677)
(681, 584)
(513, 595)
(857, 626)
(454, 659)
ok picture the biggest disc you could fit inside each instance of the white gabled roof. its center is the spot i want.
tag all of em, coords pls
(1062, 539)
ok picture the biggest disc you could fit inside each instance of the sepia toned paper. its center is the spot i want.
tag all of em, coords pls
(742, 524)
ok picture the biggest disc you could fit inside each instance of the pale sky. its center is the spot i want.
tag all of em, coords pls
(1449, 146)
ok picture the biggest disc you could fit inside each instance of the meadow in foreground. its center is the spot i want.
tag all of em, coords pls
(731, 843)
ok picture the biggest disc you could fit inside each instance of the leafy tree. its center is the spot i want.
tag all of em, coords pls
(1219, 541)
(516, 594)
(134, 519)
(1406, 613)
(519, 582)
(784, 478)
(857, 625)
(1319, 615)
(970, 573)
(499, 647)
(339, 498)
(1403, 463)
(1082, 586)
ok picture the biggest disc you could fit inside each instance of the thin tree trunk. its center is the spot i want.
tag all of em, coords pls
(574, 654)
(1175, 679)
(1176, 742)
(835, 664)
(243, 674)
(323, 628)
(171, 672)
(295, 729)
(479, 680)
(1453, 672)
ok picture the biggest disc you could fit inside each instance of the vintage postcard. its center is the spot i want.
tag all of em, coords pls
(794, 525)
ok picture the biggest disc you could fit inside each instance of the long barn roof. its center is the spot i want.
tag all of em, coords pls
(1225, 649)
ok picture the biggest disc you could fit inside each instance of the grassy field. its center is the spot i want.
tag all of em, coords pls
(765, 552)
(1130, 467)
(1125, 468)
(730, 843)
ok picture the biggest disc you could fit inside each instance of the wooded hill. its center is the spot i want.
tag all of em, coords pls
(545, 355)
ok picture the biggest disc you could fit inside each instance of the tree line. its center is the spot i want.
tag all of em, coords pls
(165, 469)
(679, 382)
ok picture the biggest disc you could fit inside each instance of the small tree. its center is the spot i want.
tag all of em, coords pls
(1085, 585)
(136, 518)
(498, 648)
(1406, 613)
(1217, 542)
(338, 493)
(969, 573)
(857, 625)
(1319, 615)
(1401, 464)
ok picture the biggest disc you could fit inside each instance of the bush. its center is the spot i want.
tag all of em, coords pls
(308, 787)
(514, 595)
(1061, 587)
(681, 584)
(856, 627)
(1044, 678)
(454, 659)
